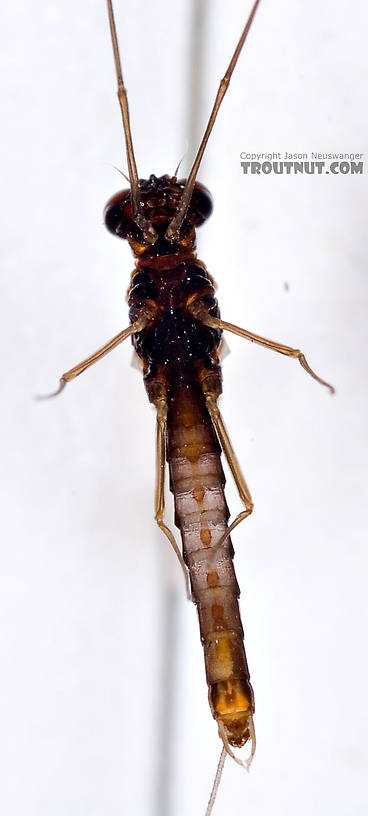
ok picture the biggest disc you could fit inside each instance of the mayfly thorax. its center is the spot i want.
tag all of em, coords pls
(176, 330)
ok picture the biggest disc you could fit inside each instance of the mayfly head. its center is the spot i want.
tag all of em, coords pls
(176, 224)
(159, 201)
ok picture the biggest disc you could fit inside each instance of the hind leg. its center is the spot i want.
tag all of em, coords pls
(161, 414)
(232, 460)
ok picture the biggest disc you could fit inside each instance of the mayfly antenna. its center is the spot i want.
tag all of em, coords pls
(173, 229)
(149, 234)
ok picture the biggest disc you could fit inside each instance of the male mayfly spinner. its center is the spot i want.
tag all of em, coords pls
(176, 330)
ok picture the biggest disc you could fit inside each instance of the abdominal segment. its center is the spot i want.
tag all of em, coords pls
(201, 513)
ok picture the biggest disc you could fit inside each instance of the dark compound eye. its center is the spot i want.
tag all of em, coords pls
(201, 205)
(118, 216)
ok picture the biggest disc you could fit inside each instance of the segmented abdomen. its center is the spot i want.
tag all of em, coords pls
(201, 513)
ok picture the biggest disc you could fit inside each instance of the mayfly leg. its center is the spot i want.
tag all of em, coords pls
(161, 417)
(149, 233)
(93, 358)
(232, 460)
(202, 315)
(173, 229)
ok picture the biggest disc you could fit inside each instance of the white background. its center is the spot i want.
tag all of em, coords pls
(103, 700)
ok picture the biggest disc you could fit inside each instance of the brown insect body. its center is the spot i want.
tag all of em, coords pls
(181, 369)
(201, 513)
(176, 330)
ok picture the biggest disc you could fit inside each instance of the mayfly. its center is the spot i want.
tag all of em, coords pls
(176, 330)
